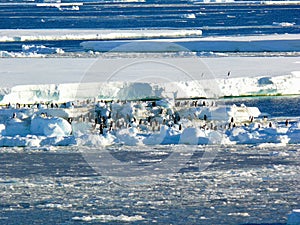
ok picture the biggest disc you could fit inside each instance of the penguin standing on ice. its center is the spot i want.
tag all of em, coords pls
(286, 122)
(101, 129)
(251, 119)
(228, 74)
(232, 120)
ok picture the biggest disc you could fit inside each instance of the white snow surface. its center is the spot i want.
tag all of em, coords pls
(43, 79)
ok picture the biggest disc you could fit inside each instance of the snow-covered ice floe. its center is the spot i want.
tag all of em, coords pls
(155, 122)
(40, 49)
(158, 41)
(108, 218)
(67, 112)
(32, 51)
(267, 43)
(98, 34)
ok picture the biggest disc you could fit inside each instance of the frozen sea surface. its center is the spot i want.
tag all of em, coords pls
(243, 185)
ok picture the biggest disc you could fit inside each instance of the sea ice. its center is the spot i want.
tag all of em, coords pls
(193, 136)
(81, 34)
(268, 43)
(50, 127)
(109, 218)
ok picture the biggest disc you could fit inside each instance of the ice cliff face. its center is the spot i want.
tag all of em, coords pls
(243, 86)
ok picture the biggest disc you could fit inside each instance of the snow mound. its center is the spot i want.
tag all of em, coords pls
(94, 140)
(50, 127)
(193, 136)
(165, 136)
(129, 137)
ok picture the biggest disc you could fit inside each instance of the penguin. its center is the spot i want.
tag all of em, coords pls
(101, 129)
(286, 122)
(70, 120)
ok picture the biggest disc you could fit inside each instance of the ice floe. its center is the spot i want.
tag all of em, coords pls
(81, 34)
(273, 43)
(160, 122)
(108, 218)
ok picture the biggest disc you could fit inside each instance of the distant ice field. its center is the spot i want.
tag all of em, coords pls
(212, 19)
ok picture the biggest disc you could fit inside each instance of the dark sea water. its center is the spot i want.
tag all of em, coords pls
(243, 185)
(214, 19)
